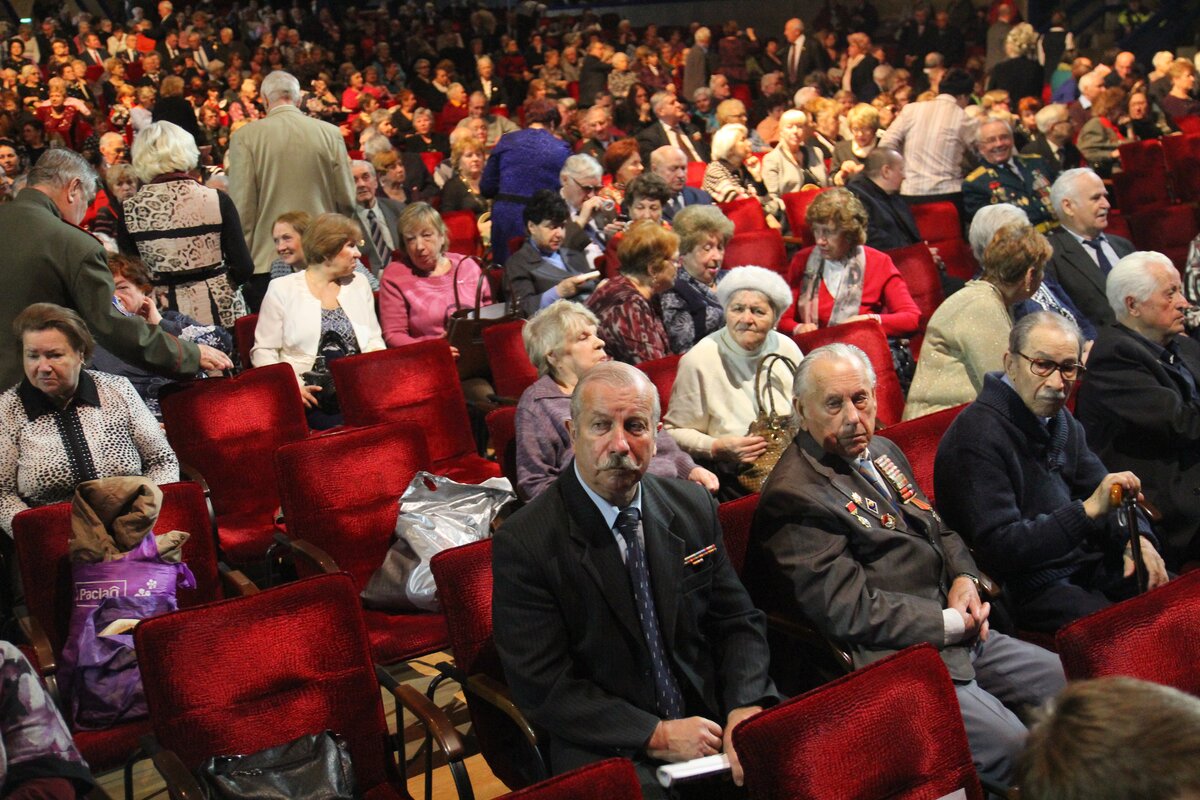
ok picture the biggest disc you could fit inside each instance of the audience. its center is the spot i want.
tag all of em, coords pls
(630, 324)
(890, 223)
(462, 190)
(670, 164)
(1052, 140)
(1100, 137)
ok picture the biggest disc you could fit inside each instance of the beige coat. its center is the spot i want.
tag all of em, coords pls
(286, 161)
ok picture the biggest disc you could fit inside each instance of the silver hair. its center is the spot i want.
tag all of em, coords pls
(280, 87)
(1046, 118)
(769, 284)
(163, 147)
(725, 138)
(549, 331)
(58, 166)
(358, 162)
(991, 121)
(660, 99)
(990, 219)
(1018, 337)
(1131, 277)
(617, 375)
(1066, 187)
(581, 166)
(838, 351)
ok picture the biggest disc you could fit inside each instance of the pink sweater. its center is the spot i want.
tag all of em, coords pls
(414, 307)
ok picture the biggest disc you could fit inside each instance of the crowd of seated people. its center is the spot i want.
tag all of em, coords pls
(577, 145)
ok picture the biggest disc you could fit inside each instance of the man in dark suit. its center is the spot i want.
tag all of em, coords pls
(620, 623)
(94, 54)
(1005, 177)
(1083, 253)
(377, 216)
(169, 47)
(801, 54)
(670, 129)
(700, 62)
(670, 164)
(845, 539)
(1140, 405)
(1052, 140)
(593, 74)
(890, 223)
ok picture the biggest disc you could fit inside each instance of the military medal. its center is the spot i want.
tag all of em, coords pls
(888, 521)
(872, 506)
(852, 507)
(896, 478)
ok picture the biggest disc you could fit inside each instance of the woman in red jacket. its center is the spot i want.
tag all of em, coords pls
(840, 280)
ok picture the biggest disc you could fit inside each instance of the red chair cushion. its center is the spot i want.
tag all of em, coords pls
(662, 372)
(470, 468)
(757, 248)
(921, 274)
(695, 174)
(502, 431)
(1168, 230)
(795, 206)
(399, 637)
(110, 748)
(243, 335)
(463, 233)
(746, 214)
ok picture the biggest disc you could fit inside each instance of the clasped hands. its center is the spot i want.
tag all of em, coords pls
(697, 737)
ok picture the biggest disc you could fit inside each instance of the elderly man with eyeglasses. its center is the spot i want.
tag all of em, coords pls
(1015, 477)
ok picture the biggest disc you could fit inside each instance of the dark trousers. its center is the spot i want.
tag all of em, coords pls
(1093, 588)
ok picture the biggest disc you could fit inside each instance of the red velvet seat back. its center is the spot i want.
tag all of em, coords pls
(255, 672)
(737, 517)
(610, 264)
(868, 336)
(889, 730)
(1168, 230)
(1183, 160)
(512, 371)
(757, 248)
(1154, 637)
(463, 233)
(243, 336)
(746, 214)
(919, 271)
(795, 206)
(1190, 125)
(414, 383)
(919, 439)
(1118, 225)
(662, 372)
(432, 160)
(612, 779)
(1143, 180)
(939, 226)
(502, 432)
(341, 491)
(229, 429)
(42, 534)
(695, 174)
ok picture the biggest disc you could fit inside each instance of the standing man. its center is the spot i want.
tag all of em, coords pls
(377, 215)
(1006, 177)
(286, 161)
(697, 67)
(669, 129)
(50, 260)
(847, 540)
(1014, 475)
(621, 625)
(1083, 253)
(801, 56)
(934, 137)
(670, 164)
(1140, 405)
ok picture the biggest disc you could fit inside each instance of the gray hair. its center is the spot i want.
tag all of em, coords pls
(422, 112)
(725, 138)
(1018, 337)
(1131, 277)
(358, 162)
(990, 219)
(701, 91)
(549, 331)
(1046, 118)
(620, 376)
(769, 284)
(838, 351)
(280, 87)
(581, 165)
(58, 167)
(660, 99)
(991, 121)
(163, 147)
(1066, 187)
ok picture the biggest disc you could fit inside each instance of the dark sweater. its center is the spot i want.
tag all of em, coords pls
(1014, 489)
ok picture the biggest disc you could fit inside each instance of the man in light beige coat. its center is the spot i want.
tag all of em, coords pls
(286, 161)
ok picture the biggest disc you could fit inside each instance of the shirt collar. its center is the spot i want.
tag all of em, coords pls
(37, 403)
(607, 509)
(1007, 381)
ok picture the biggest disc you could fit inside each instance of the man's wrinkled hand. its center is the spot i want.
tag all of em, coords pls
(684, 739)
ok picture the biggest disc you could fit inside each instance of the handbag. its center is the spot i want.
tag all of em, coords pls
(466, 326)
(314, 767)
(331, 347)
(777, 429)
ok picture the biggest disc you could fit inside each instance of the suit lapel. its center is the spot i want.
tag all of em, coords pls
(1074, 254)
(664, 557)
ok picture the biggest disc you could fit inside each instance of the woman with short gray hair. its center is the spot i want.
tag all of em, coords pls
(690, 309)
(561, 342)
(190, 236)
(713, 400)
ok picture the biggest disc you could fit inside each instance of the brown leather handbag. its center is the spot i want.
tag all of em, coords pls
(466, 325)
(778, 429)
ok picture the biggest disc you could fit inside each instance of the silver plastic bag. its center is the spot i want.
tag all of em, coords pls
(436, 514)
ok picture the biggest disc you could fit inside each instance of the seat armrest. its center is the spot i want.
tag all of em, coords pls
(317, 558)
(181, 784)
(35, 634)
(189, 473)
(432, 717)
(497, 695)
(235, 581)
(805, 631)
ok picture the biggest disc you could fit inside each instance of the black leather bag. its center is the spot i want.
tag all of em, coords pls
(331, 347)
(465, 327)
(314, 767)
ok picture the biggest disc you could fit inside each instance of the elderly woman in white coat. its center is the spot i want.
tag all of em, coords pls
(713, 400)
(327, 297)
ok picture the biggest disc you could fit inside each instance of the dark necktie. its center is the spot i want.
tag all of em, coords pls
(873, 478)
(666, 690)
(376, 231)
(1101, 259)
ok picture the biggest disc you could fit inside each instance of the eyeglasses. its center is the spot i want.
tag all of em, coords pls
(1044, 368)
(587, 189)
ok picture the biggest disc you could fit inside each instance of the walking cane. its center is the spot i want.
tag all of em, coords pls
(1126, 508)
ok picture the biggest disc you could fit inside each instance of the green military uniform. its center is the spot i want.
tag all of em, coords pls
(47, 260)
(1029, 192)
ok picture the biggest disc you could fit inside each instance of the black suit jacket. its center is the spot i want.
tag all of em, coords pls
(812, 58)
(1140, 415)
(1068, 156)
(890, 223)
(566, 624)
(391, 209)
(654, 136)
(1075, 271)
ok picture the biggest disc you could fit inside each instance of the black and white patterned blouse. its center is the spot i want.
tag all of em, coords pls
(106, 430)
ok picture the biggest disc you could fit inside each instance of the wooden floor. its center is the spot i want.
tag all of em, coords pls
(146, 782)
